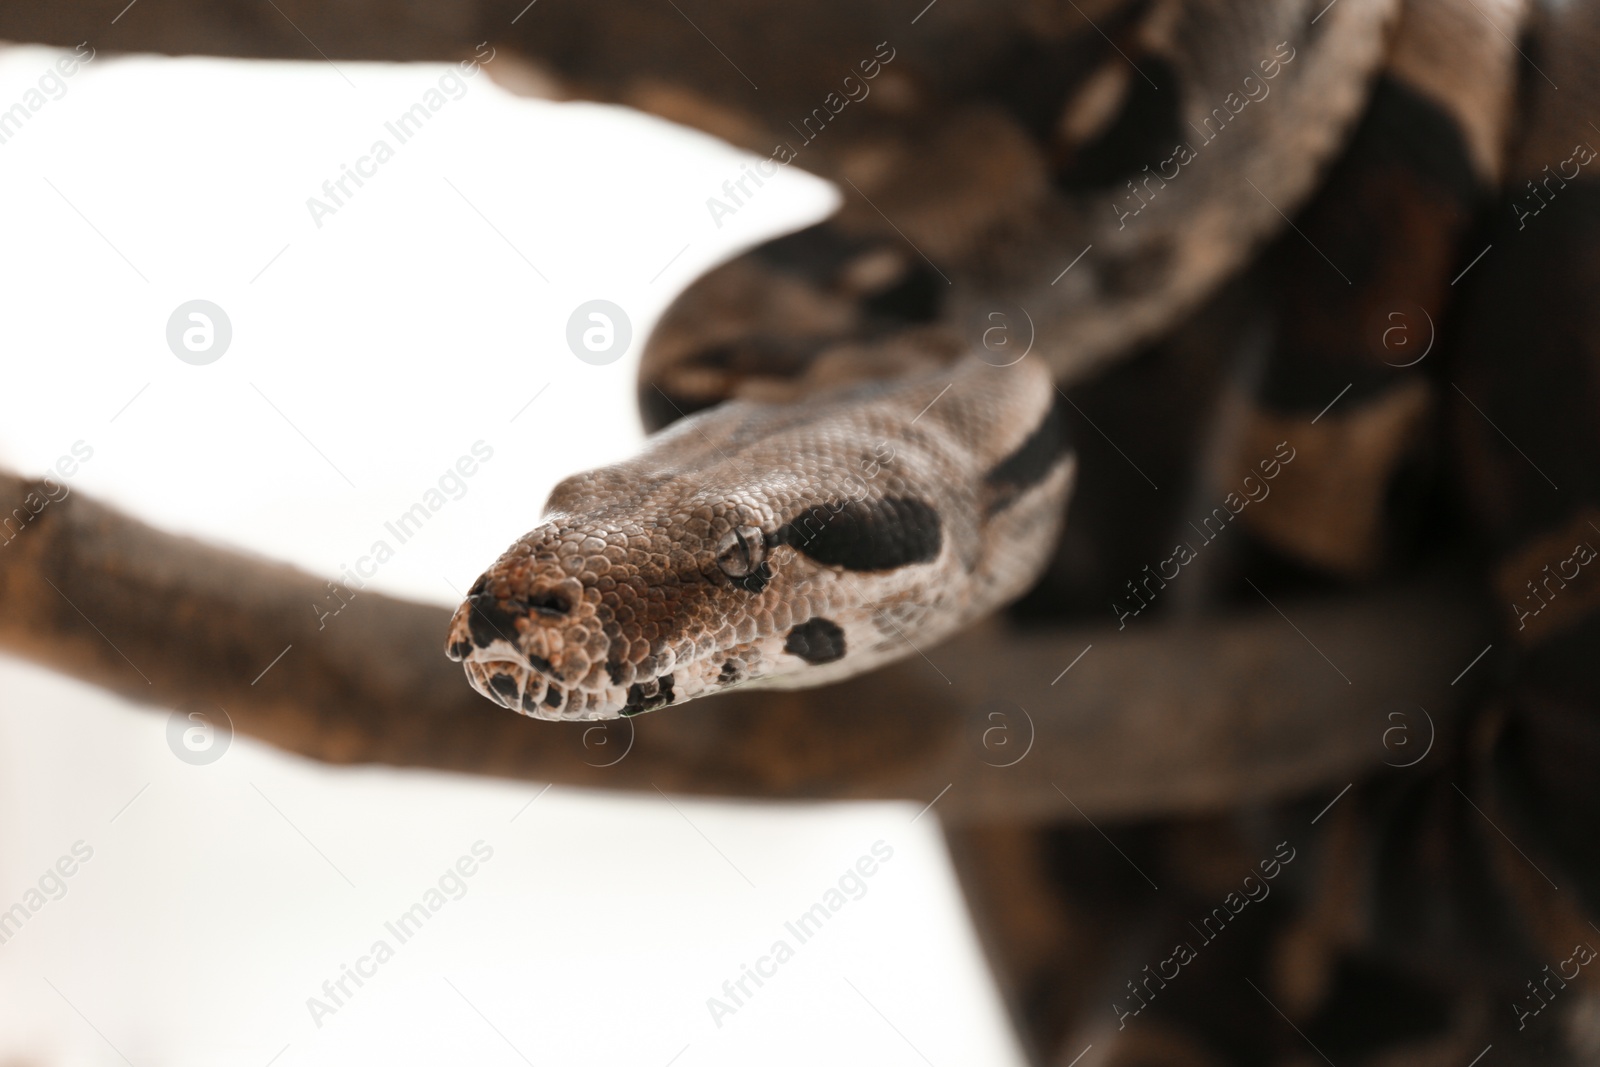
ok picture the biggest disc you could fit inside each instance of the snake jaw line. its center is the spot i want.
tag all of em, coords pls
(772, 545)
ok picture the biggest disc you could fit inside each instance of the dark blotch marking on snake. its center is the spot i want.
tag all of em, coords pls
(489, 622)
(506, 686)
(817, 252)
(916, 296)
(460, 650)
(1148, 121)
(865, 535)
(729, 674)
(542, 665)
(552, 697)
(816, 641)
(1032, 461)
(648, 696)
(614, 672)
(1409, 153)
(821, 254)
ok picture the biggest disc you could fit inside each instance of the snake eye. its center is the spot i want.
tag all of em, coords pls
(742, 550)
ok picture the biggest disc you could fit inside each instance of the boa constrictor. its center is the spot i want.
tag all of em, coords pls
(736, 550)
(1314, 284)
(1304, 288)
(760, 544)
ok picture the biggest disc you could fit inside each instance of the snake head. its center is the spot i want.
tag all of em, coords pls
(773, 545)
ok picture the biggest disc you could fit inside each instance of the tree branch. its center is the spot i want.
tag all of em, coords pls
(285, 29)
(1151, 720)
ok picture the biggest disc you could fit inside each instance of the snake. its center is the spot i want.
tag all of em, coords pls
(714, 559)
(859, 470)
(1130, 313)
(1099, 272)
(846, 469)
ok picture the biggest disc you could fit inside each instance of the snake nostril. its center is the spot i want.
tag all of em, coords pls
(550, 603)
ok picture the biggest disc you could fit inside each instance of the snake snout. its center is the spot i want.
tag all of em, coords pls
(530, 641)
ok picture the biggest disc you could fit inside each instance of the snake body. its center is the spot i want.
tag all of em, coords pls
(759, 544)
(1364, 235)
(798, 359)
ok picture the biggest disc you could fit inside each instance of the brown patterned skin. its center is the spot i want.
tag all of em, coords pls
(760, 544)
(1406, 930)
(1408, 927)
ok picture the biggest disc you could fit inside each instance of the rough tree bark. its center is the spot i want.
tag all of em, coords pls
(1153, 719)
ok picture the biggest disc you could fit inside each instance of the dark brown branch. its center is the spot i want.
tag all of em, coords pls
(1151, 720)
(287, 29)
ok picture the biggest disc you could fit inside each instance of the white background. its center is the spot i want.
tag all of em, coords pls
(405, 329)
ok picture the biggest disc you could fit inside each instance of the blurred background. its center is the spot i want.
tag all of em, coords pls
(371, 348)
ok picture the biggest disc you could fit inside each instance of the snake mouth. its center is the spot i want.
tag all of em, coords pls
(515, 684)
(525, 688)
